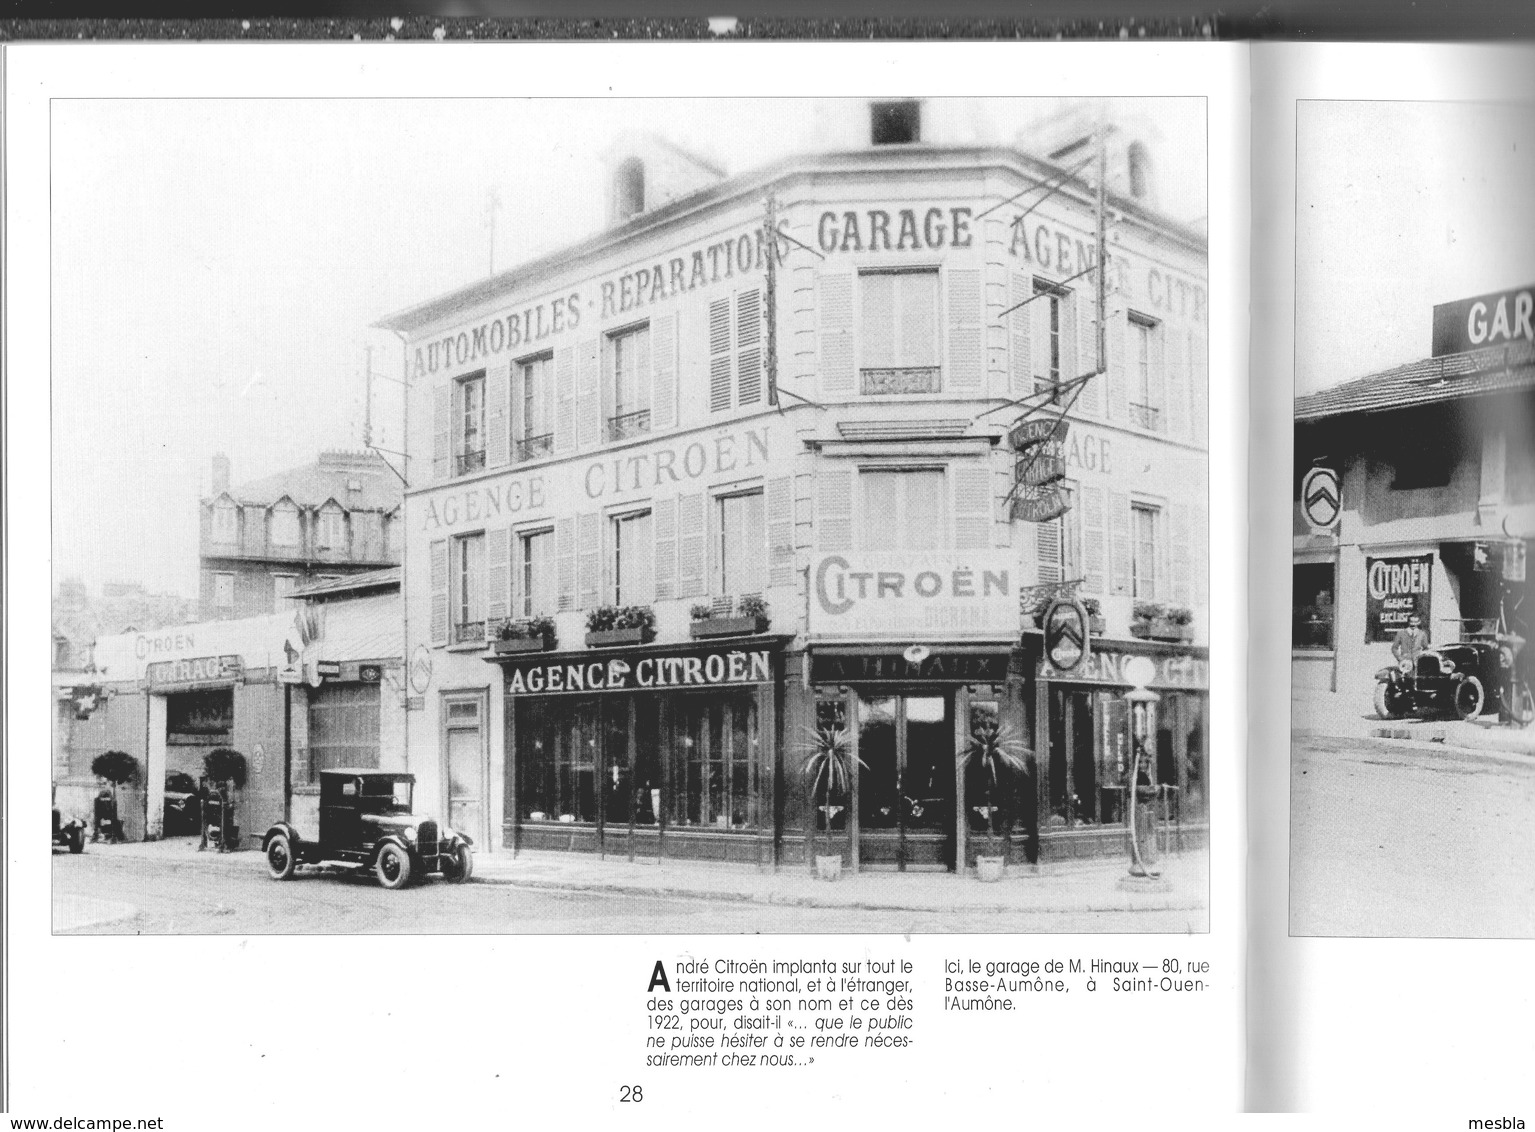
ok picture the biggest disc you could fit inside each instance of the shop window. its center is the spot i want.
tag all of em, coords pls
(895, 123)
(628, 383)
(557, 743)
(633, 559)
(898, 332)
(1313, 606)
(469, 418)
(282, 588)
(332, 535)
(719, 739)
(535, 433)
(224, 591)
(742, 559)
(467, 596)
(1055, 318)
(904, 509)
(1146, 549)
(536, 574)
(285, 525)
(1146, 378)
(343, 727)
(225, 523)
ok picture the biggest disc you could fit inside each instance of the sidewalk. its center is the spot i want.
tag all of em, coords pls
(1067, 886)
(1340, 717)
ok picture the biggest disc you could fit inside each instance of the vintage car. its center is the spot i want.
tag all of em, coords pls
(367, 822)
(1461, 680)
(182, 804)
(68, 831)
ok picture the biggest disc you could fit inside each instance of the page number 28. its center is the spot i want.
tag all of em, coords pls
(628, 1094)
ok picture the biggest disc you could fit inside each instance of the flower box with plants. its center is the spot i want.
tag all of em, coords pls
(995, 754)
(1154, 622)
(532, 634)
(751, 616)
(1097, 624)
(610, 625)
(828, 781)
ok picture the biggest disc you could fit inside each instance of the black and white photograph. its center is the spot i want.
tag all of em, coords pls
(1412, 784)
(614, 515)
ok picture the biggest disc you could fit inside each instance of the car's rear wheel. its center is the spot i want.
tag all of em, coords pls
(1389, 703)
(280, 861)
(1470, 696)
(392, 867)
(1519, 703)
(77, 841)
(461, 867)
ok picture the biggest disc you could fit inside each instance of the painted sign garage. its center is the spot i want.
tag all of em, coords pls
(625, 674)
(915, 593)
(1487, 320)
(1396, 588)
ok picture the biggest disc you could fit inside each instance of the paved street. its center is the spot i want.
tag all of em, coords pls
(105, 892)
(1404, 839)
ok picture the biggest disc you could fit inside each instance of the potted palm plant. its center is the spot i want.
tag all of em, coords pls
(995, 752)
(532, 634)
(828, 775)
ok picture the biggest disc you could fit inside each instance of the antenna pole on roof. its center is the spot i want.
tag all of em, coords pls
(367, 398)
(771, 245)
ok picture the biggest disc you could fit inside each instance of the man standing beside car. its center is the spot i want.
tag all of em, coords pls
(1410, 642)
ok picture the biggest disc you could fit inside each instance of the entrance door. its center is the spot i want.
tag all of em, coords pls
(466, 770)
(905, 783)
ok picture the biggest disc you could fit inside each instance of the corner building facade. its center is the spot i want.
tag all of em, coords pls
(598, 430)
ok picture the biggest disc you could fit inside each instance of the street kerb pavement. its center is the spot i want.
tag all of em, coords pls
(1339, 717)
(1066, 886)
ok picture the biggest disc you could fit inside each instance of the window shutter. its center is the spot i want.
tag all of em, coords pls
(834, 305)
(967, 358)
(663, 373)
(1177, 403)
(779, 505)
(1119, 378)
(749, 347)
(516, 548)
(548, 395)
(1094, 540)
(1090, 400)
(565, 400)
(565, 552)
(719, 356)
(664, 517)
(1158, 380)
(834, 510)
(1199, 384)
(442, 415)
(589, 559)
(1070, 370)
(1022, 319)
(691, 552)
(1047, 541)
(608, 548)
(713, 533)
(1119, 541)
(1200, 557)
(1182, 551)
(498, 575)
(439, 576)
(498, 423)
(588, 403)
(972, 505)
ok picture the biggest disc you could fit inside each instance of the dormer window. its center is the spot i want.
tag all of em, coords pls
(226, 521)
(285, 529)
(332, 529)
(629, 189)
(895, 123)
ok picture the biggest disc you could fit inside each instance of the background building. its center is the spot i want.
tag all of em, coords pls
(795, 460)
(261, 540)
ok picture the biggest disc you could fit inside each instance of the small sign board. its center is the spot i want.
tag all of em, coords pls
(1485, 320)
(1068, 639)
(1039, 504)
(1513, 562)
(1395, 589)
(1321, 499)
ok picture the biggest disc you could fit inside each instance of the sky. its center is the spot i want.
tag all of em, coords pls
(216, 264)
(1402, 205)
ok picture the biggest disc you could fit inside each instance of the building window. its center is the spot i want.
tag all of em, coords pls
(1053, 333)
(224, 591)
(557, 741)
(1313, 606)
(633, 559)
(285, 526)
(536, 574)
(535, 434)
(904, 509)
(628, 381)
(895, 123)
(332, 529)
(1420, 460)
(742, 539)
(282, 586)
(225, 523)
(1069, 526)
(1145, 533)
(466, 571)
(343, 727)
(898, 332)
(1145, 394)
(469, 415)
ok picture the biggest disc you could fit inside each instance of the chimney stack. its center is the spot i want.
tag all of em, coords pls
(220, 474)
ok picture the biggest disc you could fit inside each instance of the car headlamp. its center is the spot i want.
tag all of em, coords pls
(1446, 665)
(409, 833)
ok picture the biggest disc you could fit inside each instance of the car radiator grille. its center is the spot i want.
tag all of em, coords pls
(1428, 667)
(426, 839)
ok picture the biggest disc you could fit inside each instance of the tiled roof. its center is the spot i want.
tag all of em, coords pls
(372, 579)
(1496, 369)
(327, 478)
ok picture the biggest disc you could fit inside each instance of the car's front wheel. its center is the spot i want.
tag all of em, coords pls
(77, 841)
(280, 861)
(1469, 698)
(461, 867)
(1390, 703)
(392, 867)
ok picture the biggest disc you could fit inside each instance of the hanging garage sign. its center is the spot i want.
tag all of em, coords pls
(1068, 641)
(1395, 589)
(1321, 500)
